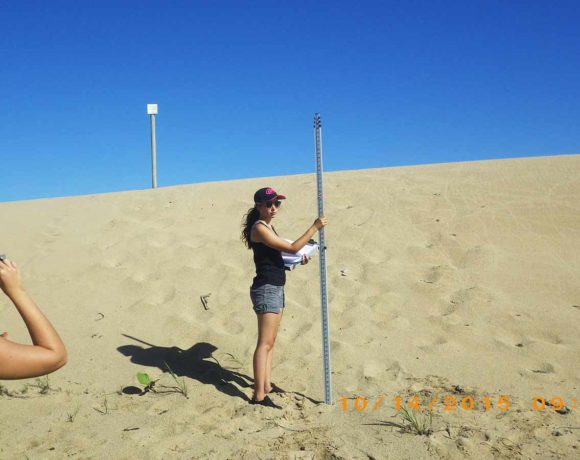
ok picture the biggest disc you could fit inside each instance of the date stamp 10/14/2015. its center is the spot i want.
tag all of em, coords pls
(450, 403)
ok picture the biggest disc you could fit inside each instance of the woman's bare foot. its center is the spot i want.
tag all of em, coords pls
(266, 401)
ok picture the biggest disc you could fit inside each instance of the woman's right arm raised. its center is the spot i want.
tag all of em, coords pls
(47, 353)
(270, 239)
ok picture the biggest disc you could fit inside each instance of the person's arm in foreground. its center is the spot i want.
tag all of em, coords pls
(270, 239)
(47, 354)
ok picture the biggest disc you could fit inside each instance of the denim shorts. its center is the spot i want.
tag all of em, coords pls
(267, 298)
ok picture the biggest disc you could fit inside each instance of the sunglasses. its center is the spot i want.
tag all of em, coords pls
(276, 204)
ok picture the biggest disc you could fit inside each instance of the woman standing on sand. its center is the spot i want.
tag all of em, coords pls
(47, 354)
(267, 290)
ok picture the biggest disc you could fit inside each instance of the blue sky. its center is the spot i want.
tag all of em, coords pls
(237, 83)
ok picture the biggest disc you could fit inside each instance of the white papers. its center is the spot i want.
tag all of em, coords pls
(292, 260)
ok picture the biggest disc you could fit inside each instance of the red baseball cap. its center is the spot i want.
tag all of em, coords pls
(267, 194)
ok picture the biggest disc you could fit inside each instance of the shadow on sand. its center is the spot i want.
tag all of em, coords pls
(197, 363)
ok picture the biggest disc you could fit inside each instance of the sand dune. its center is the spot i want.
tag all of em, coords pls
(445, 281)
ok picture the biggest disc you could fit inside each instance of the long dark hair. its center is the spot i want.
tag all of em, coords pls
(248, 221)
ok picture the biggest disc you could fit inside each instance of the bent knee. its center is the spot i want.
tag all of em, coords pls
(266, 345)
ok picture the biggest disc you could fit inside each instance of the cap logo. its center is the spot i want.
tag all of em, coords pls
(270, 191)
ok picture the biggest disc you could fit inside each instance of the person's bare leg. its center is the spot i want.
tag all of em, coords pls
(268, 380)
(266, 331)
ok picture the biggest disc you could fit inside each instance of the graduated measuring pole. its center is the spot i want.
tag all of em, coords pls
(323, 290)
(152, 111)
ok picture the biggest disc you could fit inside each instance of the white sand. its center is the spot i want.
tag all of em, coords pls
(449, 280)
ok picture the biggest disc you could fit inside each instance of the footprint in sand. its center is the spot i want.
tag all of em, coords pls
(162, 297)
(400, 323)
(336, 346)
(51, 234)
(396, 372)
(545, 368)
(108, 263)
(554, 339)
(304, 329)
(507, 342)
(162, 240)
(467, 301)
(477, 256)
(429, 344)
(232, 327)
(362, 216)
(435, 274)
(371, 370)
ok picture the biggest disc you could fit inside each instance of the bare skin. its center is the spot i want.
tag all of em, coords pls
(47, 353)
(269, 323)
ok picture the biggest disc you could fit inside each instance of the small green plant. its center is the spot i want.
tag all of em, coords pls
(417, 422)
(181, 385)
(144, 379)
(70, 417)
(43, 384)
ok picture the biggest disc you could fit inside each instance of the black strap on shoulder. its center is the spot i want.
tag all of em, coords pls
(269, 228)
(263, 223)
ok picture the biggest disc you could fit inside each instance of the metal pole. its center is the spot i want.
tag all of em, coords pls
(153, 153)
(323, 291)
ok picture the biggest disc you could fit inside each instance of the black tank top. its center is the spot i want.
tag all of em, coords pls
(269, 264)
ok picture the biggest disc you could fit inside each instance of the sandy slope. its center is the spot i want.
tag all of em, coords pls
(448, 280)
